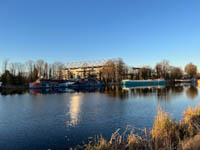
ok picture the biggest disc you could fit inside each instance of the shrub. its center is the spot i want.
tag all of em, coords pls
(125, 141)
(165, 131)
(192, 144)
(192, 120)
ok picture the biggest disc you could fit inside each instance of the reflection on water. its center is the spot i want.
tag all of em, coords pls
(12, 91)
(62, 118)
(50, 91)
(74, 109)
(192, 92)
(88, 89)
(116, 91)
(64, 90)
(162, 93)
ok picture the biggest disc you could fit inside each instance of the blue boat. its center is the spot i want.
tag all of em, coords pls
(85, 83)
(143, 83)
(65, 84)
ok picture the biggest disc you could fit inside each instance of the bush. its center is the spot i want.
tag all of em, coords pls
(192, 120)
(125, 141)
(192, 144)
(165, 132)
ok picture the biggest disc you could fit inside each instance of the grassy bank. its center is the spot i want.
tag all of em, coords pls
(166, 134)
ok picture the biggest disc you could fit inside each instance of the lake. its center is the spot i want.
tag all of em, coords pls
(58, 120)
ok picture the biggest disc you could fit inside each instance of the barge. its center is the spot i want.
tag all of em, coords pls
(143, 83)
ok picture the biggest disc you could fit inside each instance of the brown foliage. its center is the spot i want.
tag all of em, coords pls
(191, 70)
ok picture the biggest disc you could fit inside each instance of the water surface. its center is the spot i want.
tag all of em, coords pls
(58, 120)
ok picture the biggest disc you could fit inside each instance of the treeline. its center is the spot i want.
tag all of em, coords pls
(23, 73)
(113, 71)
(117, 70)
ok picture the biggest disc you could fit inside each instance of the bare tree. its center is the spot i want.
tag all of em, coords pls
(30, 69)
(53, 70)
(145, 72)
(176, 73)
(109, 71)
(46, 71)
(57, 70)
(40, 67)
(20, 68)
(121, 70)
(191, 70)
(5, 65)
(13, 69)
(50, 71)
(162, 69)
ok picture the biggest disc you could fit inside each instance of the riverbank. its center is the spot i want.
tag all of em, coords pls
(26, 86)
(19, 87)
(166, 134)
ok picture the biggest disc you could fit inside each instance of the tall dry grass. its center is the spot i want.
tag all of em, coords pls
(165, 131)
(128, 140)
(192, 120)
(192, 143)
(166, 134)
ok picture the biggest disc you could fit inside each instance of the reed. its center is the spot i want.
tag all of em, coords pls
(192, 143)
(165, 131)
(192, 119)
(166, 134)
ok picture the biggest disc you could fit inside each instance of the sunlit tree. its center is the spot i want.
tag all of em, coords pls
(176, 73)
(108, 71)
(121, 70)
(191, 70)
(162, 69)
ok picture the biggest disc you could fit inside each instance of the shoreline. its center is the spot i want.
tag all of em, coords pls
(166, 133)
(25, 87)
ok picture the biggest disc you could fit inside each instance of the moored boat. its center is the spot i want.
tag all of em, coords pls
(45, 84)
(34, 85)
(143, 83)
(65, 84)
(82, 83)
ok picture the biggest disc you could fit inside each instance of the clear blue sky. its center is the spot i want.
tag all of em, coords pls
(142, 32)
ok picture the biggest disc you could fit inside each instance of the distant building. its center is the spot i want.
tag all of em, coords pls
(76, 70)
(82, 72)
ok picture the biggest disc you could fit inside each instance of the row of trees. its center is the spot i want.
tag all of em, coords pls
(164, 70)
(22, 73)
(117, 70)
(112, 71)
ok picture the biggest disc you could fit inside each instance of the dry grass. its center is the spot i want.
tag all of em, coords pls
(166, 134)
(192, 143)
(192, 120)
(125, 141)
